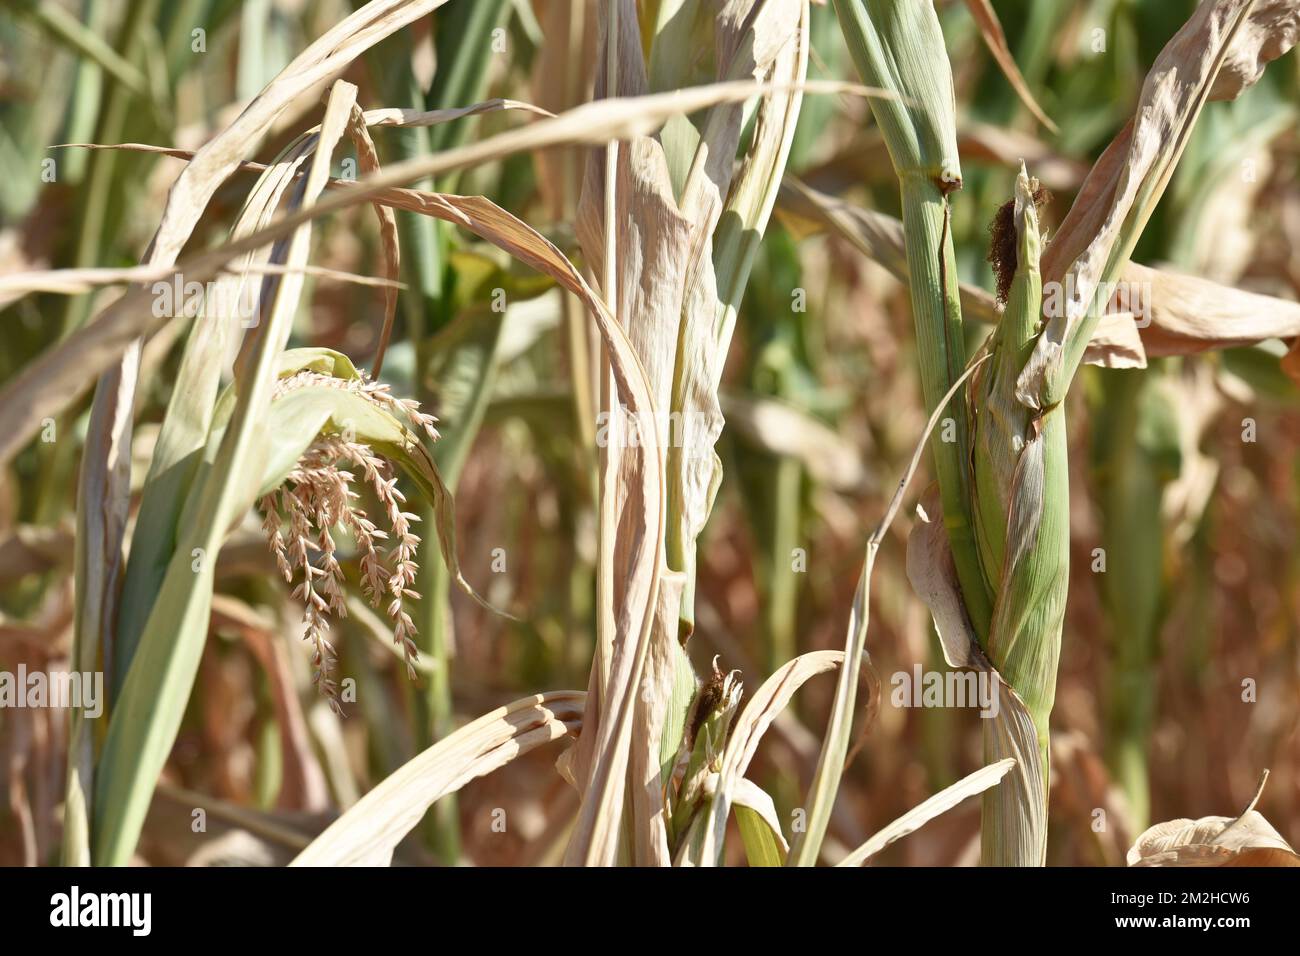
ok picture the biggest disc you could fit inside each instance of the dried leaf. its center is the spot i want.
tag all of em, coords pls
(1182, 315)
(1245, 840)
(782, 429)
(1119, 195)
(649, 233)
(60, 375)
(1186, 314)
(923, 813)
(1272, 30)
(367, 833)
(754, 719)
(991, 29)
(1016, 817)
(933, 577)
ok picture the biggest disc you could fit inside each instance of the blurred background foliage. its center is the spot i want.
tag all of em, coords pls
(1184, 567)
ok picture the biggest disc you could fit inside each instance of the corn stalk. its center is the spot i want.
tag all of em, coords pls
(898, 45)
(673, 223)
(1007, 517)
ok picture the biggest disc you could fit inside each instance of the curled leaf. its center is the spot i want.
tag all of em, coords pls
(923, 813)
(1245, 840)
(367, 833)
(1016, 813)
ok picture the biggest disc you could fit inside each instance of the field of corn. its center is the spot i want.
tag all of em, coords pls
(634, 432)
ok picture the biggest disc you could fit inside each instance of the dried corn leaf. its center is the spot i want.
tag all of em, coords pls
(667, 295)
(1015, 828)
(1182, 314)
(60, 375)
(1119, 195)
(1016, 820)
(645, 763)
(1248, 840)
(923, 813)
(103, 490)
(991, 29)
(933, 576)
(1245, 840)
(368, 832)
(1272, 30)
(1186, 314)
(76, 281)
(645, 292)
(752, 722)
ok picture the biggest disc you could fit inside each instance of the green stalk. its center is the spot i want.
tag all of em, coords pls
(783, 585)
(897, 45)
(936, 312)
(1128, 424)
(67, 29)
(471, 359)
(98, 219)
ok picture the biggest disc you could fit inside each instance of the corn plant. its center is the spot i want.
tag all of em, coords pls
(1003, 476)
(661, 139)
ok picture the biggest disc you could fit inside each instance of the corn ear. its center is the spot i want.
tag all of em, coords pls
(1022, 521)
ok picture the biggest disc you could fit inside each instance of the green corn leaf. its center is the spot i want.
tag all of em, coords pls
(148, 713)
(761, 848)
